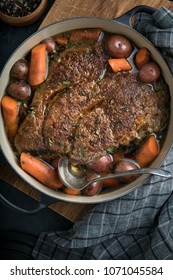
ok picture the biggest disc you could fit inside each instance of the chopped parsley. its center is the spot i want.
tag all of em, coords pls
(50, 142)
(111, 150)
(61, 143)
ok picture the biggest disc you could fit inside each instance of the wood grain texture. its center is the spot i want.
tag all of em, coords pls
(62, 9)
(70, 211)
(99, 8)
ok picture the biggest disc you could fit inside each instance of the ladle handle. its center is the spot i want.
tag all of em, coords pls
(153, 171)
(126, 18)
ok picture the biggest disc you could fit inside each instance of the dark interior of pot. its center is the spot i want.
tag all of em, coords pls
(107, 26)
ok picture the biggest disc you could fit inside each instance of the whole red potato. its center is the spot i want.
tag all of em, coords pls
(118, 46)
(126, 165)
(101, 165)
(149, 72)
(50, 44)
(92, 189)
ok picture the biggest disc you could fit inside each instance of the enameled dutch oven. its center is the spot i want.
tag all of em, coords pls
(121, 25)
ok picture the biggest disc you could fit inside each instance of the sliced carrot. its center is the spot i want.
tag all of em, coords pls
(119, 64)
(38, 65)
(62, 40)
(148, 151)
(71, 191)
(10, 110)
(40, 170)
(111, 182)
(142, 57)
(118, 156)
(80, 35)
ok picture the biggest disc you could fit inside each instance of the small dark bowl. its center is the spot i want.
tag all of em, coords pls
(25, 20)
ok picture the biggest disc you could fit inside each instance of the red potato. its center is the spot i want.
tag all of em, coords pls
(101, 165)
(126, 165)
(19, 70)
(50, 44)
(20, 90)
(92, 189)
(54, 163)
(118, 46)
(149, 72)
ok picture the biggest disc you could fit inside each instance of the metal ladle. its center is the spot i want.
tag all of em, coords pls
(81, 182)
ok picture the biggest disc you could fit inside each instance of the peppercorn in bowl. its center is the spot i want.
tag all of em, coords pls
(21, 12)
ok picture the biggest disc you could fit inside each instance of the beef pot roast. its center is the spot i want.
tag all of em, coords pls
(79, 113)
(78, 64)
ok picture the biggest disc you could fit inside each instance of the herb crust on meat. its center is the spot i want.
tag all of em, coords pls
(85, 113)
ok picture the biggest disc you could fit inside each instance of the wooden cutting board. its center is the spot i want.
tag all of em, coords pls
(99, 8)
(62, 9)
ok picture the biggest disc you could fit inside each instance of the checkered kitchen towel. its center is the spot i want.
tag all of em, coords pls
(138, 225)
(158, 28)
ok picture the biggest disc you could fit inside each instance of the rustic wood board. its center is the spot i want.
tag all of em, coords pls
(99, 8)
(62, 9)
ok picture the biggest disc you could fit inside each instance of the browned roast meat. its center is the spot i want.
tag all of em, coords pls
(115, 123)
(29, 136)
(81, 62)
(75, 65)
(130, 110)
(76, 113)
(156, 108)
(93, 136)
(65, 113)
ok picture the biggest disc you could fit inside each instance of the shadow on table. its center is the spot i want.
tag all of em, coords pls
(18, 231)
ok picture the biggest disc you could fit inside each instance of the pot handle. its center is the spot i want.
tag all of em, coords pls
(126, 18)
(43, 203)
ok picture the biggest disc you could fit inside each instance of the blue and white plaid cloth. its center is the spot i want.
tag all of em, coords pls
(139, 225)
(158, 28)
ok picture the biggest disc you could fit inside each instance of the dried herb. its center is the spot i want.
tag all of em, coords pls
(50, 142)
(111, 150)
(61, 143)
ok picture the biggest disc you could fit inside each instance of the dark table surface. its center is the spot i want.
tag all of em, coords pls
(13, 36)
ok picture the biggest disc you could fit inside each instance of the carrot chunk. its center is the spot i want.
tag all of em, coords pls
(148, 151)
(117, 157)
(85, 34)
(38, 65)
(62, 40)
(142, 57)
(110, 182)
(119, 64)
(71, 191)
(40, 170)
(10, 110)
